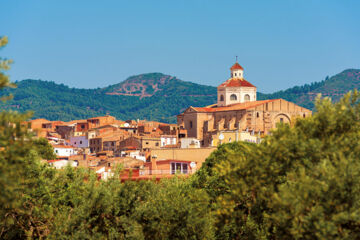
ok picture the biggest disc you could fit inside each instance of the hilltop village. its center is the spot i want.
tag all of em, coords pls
(148, 149)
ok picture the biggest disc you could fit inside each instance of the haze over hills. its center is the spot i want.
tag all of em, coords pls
(152, 96)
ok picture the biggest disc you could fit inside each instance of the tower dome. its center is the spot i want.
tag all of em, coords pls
(236, 89)
(237, 71)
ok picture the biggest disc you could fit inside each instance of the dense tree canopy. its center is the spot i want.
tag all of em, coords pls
(302, 182)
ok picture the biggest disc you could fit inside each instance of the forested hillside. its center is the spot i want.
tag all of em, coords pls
(59, 102)
(152, 96)
(334, 87)
(147, 85)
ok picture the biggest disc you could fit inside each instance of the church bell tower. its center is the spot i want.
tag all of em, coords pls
(236, 89)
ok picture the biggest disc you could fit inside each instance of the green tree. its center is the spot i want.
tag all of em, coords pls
(302, 182)
(175, 210)
(44, 149)
(15, 161)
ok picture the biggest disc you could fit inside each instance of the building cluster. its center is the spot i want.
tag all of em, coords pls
(148, 149)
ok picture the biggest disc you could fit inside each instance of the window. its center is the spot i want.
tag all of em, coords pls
(179, 168)
(247, 98)
(229, 140)
(82, 126)
(281, 120)
(191, 124)
(157, 144)
(221, 98)
(184, 168)
(235, 74)
(257, 115)
(147, 143)
(173, 168)
(304, 115)
(80, 142)
(233, 97)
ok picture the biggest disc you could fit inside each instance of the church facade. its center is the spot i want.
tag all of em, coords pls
(237, 111)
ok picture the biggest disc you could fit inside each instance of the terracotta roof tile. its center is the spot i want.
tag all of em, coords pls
(62, 146)
(112, 138)
(236, 82)
(237, 106)
(236, 66)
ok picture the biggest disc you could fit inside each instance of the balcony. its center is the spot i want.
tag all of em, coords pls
(164, 172)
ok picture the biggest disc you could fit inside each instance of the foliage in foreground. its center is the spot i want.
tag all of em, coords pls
(303, 182)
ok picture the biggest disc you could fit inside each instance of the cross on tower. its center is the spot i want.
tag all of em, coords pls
(236, 58)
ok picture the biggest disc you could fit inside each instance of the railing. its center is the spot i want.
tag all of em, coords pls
(163, 172)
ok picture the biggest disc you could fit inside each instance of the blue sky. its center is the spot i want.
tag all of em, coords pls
(88, 44)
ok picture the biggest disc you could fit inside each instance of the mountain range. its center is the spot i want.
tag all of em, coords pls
(151, 96)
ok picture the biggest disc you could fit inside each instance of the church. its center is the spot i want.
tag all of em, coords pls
(237, 112)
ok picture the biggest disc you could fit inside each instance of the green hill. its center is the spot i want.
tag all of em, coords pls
(152, 96)
(334, 87)
(59, 102)
(158, 84)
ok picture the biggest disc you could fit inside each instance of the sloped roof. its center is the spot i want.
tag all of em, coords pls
(62, 146)
(237, 106)
(236, 82)
(101, 117)
(236, 66)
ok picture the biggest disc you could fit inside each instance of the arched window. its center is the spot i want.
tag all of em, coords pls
(221, 97)
(233, 97)
(247, 98)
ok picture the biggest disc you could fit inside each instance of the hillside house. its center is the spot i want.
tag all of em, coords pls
(79, 141)
(167, 140)
(100, 121)
(63, 150)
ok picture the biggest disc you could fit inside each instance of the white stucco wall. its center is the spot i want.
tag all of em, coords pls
(64, 152)
(186, 142)
(58, 164)
(137, 155)
(240, 93)
(167, 141)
